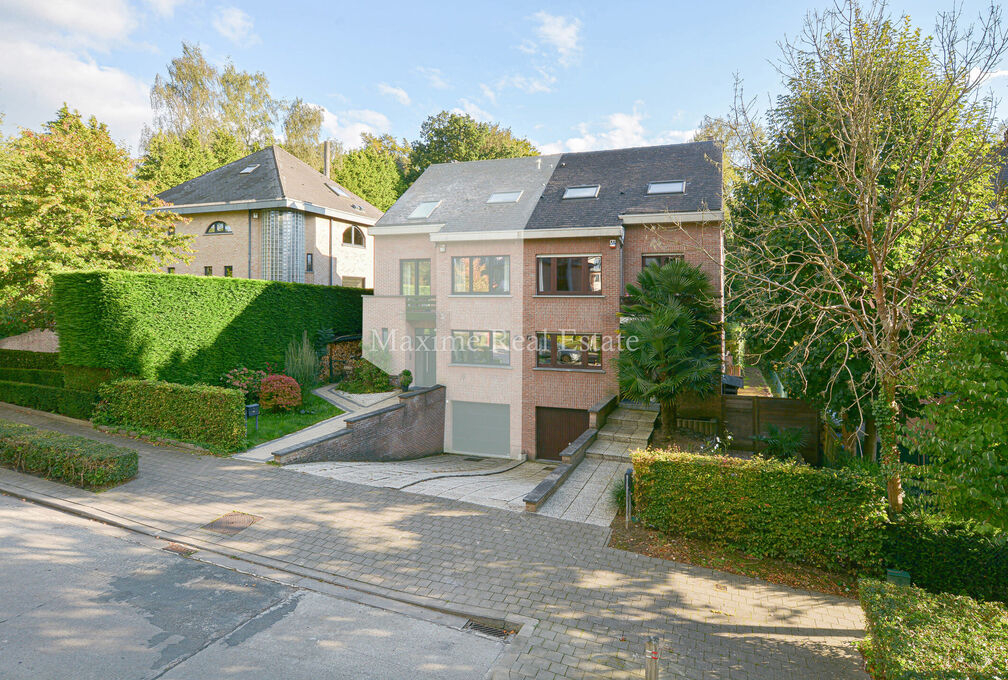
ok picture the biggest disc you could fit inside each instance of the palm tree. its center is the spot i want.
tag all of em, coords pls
(671, 338)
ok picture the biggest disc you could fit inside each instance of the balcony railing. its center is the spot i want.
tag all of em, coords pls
(420, 307)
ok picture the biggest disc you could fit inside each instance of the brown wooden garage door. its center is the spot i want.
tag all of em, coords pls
(556, 428)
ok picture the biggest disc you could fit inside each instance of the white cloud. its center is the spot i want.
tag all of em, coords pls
(164, 8)
(991, 75)
(36, 80)
(434, 77)
(559, 33)
(489, 93)
(347, 126)
(542, 82)
(619, 130)
(96, 24)
(469, 107)
(397, 93)
(235, 25)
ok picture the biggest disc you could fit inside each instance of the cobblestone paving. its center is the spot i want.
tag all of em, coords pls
(585, 496)
(595, 606)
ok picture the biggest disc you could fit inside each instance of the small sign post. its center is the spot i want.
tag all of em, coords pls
(252, 410)
(627, 490)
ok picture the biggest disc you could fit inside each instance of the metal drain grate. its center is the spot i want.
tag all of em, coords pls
(178, 548)
(473, 459)
(489, 631)
(231, 523)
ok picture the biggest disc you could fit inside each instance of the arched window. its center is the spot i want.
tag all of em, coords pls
(353, 236)
(218, 227)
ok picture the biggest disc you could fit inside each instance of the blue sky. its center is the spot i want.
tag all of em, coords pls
(570, 76)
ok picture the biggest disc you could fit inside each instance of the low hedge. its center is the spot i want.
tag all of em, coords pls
(73, 403)
(943, 556)
(20, 358)
(34, 376)
(65, 458)
(85, 378)
(832, 519)
(210, 416)
(914, 634)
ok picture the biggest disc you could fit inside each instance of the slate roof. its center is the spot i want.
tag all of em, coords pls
(623, 176)
(279, 176)
(463, 190)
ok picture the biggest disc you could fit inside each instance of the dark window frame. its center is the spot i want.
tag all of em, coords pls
(662, 258)
(309, 265)
(549, 286)
(208, 270)
(171, 270)
(213, 229)
(415, 262)
(492, 336)
(506, 259)
(554, 352)
(355, 234)
(228, 271)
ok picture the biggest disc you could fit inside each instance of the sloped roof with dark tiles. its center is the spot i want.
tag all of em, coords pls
(623, 176)
(462, 190)
(279, 175)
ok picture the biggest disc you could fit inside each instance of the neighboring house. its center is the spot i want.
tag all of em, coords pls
(272, 216)
(502, 279)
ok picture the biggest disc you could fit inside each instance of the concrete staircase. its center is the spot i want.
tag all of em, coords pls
(626, 429)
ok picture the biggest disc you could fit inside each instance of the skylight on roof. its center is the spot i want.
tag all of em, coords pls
(666, 188)
(336, 190)
(247, 170)
(504, 197)
(423, 210)
(590, 191)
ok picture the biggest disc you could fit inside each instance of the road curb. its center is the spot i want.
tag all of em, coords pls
(519, 642)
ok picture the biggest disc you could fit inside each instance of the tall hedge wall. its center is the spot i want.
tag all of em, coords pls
(190, 329)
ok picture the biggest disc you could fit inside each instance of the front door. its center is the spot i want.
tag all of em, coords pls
(556, 428)
(425, 357)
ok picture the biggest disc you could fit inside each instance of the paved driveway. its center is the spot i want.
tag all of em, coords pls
(595, 606)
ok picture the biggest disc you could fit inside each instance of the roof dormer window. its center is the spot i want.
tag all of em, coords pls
(587, 191)
(504, 197)
(677, 187)
(249, 169)
(423, 210)
(336, 190)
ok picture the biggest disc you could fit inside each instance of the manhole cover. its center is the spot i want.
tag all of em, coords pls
(231, 523)
(484, 629)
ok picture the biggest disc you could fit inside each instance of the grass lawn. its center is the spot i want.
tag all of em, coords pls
(273, 425)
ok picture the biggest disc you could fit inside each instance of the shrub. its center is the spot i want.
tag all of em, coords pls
(832, 519)
(65, 458)
(85, 378)
(944, 556)
(73, 403)
(213, 417)
(246, 381)
(189, 329)
(405, 379)
(301, 363)
(20, 358)
(32, 376)
(280, 393)
(914, 634)
(366, 378)
(783, 443)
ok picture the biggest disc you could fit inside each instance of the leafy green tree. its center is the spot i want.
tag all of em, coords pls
(303, 131)
(247, 110)
(964, 431)
(69, 200)
(671, 340)
(371, 174)
(459, 137)
(171, 160)
(188, 97)
(852, 220)
(388, 145)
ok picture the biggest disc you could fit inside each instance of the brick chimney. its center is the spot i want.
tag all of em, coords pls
(326, 151)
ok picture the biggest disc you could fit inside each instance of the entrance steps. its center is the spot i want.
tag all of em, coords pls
(626, 429)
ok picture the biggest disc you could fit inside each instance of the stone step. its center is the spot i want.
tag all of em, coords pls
(626, 415)
(626, 438)
(611, 451)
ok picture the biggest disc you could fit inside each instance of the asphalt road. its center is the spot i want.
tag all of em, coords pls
(83, 600)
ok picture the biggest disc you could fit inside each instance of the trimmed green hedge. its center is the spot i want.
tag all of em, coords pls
(85, 378)
(20, 358)
(914, 634)
(34, 376)
(951, 557)
(213, 417)
(65, 458)
(832, 519)
(73, 403)
(190, 329)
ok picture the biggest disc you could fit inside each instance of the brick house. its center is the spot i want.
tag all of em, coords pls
(502, 279)
(271, 216)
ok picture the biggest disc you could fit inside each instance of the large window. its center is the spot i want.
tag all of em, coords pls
(481, 275)
(485, 348)
(569, 350)
(659, 259)
(353, 236)
(218, 227)
(579, 275)
(414, 277)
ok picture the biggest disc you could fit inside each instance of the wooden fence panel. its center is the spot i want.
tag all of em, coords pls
(746, 416)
